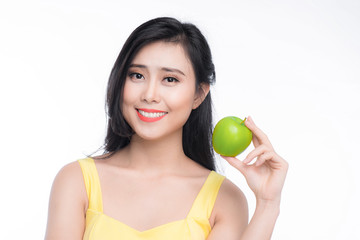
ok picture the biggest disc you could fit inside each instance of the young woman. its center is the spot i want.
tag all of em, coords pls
(156, 178)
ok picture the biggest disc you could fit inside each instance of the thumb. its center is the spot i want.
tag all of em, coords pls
(236, 163)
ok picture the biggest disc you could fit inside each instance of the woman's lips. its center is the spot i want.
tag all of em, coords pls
(150, 115)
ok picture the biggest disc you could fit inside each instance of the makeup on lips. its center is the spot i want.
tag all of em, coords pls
(150, 115)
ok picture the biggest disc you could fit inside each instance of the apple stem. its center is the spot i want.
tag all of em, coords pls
(243, 121)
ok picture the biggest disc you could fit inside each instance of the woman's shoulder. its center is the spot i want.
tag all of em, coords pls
(69, 171)
(69, 181)
(70, 175)
(231, 204)
(67, 204)
(230, 191)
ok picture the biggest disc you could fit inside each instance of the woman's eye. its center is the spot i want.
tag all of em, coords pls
(136, 76)
(171, 80)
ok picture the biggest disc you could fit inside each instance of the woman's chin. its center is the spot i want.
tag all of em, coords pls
(155, 136)
(146, 136)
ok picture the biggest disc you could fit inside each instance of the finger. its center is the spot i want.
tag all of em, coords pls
(255, 141)
(260, 135)
(264, 157)
(236, 163)
(255, 153)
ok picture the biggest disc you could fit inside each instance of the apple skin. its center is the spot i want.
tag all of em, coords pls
(231, 137)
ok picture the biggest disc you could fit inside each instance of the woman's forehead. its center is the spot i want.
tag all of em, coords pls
(164, 55)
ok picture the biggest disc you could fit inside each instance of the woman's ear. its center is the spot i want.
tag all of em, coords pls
(201, 94)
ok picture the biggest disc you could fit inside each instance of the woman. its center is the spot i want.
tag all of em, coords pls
(156, 179)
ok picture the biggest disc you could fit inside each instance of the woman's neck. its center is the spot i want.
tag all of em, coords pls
(156, 156)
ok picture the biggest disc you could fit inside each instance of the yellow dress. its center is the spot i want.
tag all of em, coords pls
(195, 226)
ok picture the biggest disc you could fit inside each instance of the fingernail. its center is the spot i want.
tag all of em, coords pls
(247, 121)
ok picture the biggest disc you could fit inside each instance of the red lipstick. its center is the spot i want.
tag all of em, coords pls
(150, 115)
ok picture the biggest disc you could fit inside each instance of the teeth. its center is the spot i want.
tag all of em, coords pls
(151, 114)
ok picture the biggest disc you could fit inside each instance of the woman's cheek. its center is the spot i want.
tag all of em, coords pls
(182, 102)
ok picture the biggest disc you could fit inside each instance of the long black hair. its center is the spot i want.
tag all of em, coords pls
(197, 131)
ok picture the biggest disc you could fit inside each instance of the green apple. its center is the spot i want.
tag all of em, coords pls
(231, 137)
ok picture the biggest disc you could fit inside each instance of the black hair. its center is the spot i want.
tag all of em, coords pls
(197, 131)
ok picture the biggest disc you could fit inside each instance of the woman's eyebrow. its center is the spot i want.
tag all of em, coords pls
(137, 65)
(167, 69)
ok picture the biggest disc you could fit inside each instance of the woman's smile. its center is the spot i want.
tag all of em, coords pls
(150, 115)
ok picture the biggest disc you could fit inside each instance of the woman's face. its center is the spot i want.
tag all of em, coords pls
(159, 91)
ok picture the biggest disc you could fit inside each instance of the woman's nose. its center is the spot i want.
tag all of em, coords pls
(151, 92)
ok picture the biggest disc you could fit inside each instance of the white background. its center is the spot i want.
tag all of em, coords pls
(292, 65)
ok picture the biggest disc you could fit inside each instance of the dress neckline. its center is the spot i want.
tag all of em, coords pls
(189, 214)
(158, 227)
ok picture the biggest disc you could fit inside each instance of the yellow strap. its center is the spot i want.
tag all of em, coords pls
(204, 202)
(92, 183)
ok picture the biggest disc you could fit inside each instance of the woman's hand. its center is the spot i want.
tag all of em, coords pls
(267, 175)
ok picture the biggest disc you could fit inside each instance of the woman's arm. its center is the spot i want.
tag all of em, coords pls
(68, 200)
(266, 179)
(263, 221)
